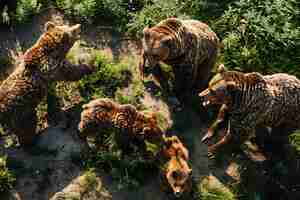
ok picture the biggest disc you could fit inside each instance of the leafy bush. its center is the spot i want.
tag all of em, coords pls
(91, 10)
(153, 12)
(7, 179)
(211, 188)
(204, 10)
(128, 171)
(19, 11)
(261, 36)
(133, 94)
(27, 8)
(295, 140)
(7, 11)
(86, 9)
(106, 80)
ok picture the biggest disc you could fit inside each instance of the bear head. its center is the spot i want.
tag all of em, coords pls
(219, 88)
(96, 114)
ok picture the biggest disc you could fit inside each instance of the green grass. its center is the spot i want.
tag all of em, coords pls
(107, 79)
(212, 189)
(7, 178)
(295, 140)
(135, 92)
(26, 9)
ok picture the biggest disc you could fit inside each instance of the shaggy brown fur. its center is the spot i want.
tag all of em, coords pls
(172, 155)
(254, 100)
(176, 172)
(189, 46)
(23, 90)
(105, 113)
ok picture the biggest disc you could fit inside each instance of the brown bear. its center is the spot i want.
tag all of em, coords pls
(27, 85)
(172, 155)
(106, 113)
(176, 174)
(252, 100)
(190, 47)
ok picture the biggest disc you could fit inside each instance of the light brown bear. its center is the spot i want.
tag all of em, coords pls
(175, 172)
(24, 89)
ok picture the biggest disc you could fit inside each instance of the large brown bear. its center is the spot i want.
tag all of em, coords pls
(252, 100)
(24, 89)
(189, 46)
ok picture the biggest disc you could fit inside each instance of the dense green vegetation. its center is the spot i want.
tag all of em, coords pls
(107, 79)
(7, 179)
(257, 35)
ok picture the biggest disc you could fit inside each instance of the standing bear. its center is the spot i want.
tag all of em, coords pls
(24, 89)
(190, 47)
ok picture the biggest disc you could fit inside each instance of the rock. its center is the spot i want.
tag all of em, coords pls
(233, 171)
(65, 143)
(85, 187)
(211, 187)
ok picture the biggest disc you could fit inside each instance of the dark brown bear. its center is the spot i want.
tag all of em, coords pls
(252, 100)
(189, 46)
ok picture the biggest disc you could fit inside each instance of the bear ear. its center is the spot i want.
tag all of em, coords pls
(146, 32)
(48, 26)
(221, 68)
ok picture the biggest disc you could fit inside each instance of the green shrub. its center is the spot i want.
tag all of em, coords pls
(87, 9)
(26, 9)
(127, 170)
(153, 12)
(261, 36)
(106, 80)
(93, 10)
(211, 188)
(132, 95)
(205, 10)
(7, 179)
(295, 140)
